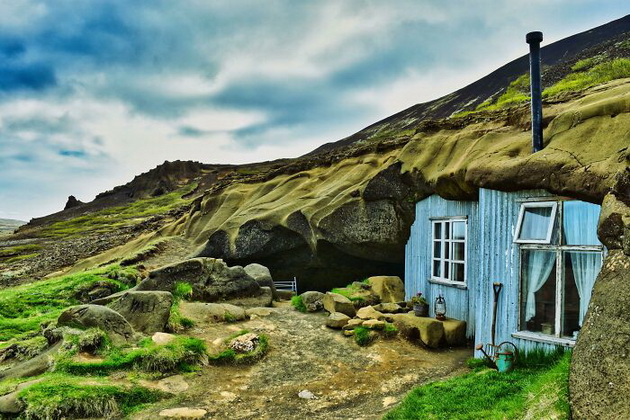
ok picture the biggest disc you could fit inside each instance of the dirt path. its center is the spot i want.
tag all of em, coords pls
(350, 382)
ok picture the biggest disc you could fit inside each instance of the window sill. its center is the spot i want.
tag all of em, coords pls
(542, 338)
(455, 284)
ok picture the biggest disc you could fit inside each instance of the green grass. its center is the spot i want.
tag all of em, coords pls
(362, 336)
(297, 303)
(176, 321)
(24, 308)
(19, 249)
(116, 217)
(350, 291)
(230, 357)
(538, 386)
(183, 354)
(60, 396)
(601, 73)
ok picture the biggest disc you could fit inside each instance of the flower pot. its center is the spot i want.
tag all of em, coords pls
(421, 309)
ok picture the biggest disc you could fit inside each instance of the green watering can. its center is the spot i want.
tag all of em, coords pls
(505, 361)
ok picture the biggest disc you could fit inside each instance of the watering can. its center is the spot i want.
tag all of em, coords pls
(505, 361)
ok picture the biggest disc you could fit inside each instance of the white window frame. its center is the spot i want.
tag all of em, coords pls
(448, 221)
(539, 204)
(559, 249)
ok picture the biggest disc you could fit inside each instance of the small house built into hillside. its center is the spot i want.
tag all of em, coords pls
(543, 249)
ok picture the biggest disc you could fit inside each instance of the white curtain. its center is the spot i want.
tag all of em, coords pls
(580, 228)
(585, 266)
(535, 223)
(536, 272)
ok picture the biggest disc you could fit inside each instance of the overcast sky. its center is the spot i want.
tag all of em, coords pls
(95, 92)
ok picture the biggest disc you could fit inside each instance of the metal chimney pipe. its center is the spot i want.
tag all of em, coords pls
(534, 39)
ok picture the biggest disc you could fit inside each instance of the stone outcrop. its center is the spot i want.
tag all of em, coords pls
(96, 316)
(428, 330)
(390, 289)
(212, 312)
(262, 275)
(312, 300)
(334, 302)
(337, 320)
(211, 280)
(146, 311)
(369, 312)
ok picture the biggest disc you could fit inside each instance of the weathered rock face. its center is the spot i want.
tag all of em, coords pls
(147, 312)
(313, 300)
(337, 320)
(95, 316)
(212, 312)
(599, 380)
(211, 280)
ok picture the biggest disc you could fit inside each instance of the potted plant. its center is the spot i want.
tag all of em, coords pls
(420, 305)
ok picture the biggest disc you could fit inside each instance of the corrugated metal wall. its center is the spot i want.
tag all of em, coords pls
(418, 258)
(498, 213)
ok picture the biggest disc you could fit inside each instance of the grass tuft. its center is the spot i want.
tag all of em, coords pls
(230, 357)
(363, 336)
(60, 397)
(601, 73)
(298, 304)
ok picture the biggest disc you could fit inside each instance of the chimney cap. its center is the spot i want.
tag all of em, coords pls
(534, 37)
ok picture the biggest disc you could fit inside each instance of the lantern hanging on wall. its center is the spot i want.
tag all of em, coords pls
(440, 308)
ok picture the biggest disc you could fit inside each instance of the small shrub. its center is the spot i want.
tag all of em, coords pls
(183, 291)
(363, 336)
(298, 304)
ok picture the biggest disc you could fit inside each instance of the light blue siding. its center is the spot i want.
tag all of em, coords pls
(418, 258)
(498, 213)
(492, 256)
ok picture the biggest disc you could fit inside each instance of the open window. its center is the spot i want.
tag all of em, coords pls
(536, 222)
(449, 245)
(557, 276)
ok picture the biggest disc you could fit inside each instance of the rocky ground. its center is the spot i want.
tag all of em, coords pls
(346, 381)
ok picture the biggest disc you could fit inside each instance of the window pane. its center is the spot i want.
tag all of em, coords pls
(447, 249)
(446, 270)
(437, 230)
(458, 272)
(459, 230)
(538, 297)
(459, 251)
(437, 249)
(580, 223)
(535, 224)
(437, 272)
(580, 271)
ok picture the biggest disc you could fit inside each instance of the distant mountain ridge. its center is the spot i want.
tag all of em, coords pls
(7, 226)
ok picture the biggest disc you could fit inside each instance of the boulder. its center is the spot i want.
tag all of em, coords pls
(369, 313)
(263, 298)
(353, 323)
(337, 320)
(388, 307)
(430, 331)
(244, 343)
(262, 276)
(388, 288)
(258, 312)
(599, 378)
(454, 332)
(95, 316)
(374, 324)
(211, 280)
(161, 338)
(146, 311)
(313, 300)
(334, 302)
(212, 312)
(10, 403)
(33, 367)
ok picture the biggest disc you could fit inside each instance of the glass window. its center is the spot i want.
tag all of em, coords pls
(449, 250)
(557, 278)
(536, 222)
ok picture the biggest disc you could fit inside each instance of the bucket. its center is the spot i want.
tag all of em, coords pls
(505, 361)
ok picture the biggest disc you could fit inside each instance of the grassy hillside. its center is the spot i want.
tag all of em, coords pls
(7, 226)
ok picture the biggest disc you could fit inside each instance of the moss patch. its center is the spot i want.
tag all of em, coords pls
(298, 303)
(24, 308)
(70, 397)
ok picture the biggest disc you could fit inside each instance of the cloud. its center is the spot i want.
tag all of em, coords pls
(93, 93)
